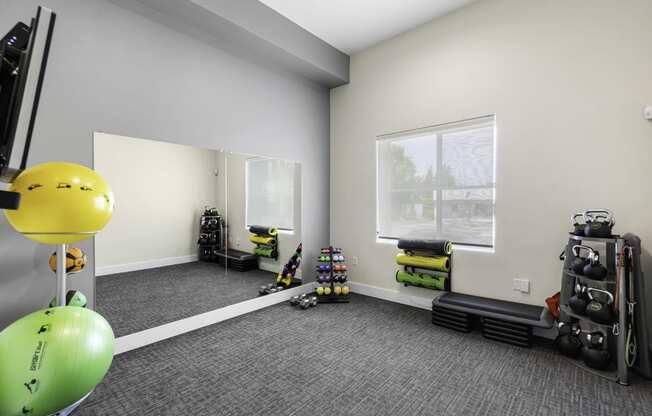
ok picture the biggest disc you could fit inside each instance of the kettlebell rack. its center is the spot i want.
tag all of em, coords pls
(613, 284)
(212, 235)
(332, 269)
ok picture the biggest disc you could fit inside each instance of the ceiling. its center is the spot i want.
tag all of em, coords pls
(354, 25)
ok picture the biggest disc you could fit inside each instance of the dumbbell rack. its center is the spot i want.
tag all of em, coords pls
(615, 284)
(332, 297)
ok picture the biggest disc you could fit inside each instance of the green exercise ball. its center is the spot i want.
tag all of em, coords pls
(52, 358)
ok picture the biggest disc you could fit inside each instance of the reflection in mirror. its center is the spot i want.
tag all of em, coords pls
(147, 260)
(264, 221)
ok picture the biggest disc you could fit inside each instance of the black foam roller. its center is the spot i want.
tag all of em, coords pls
(438, 247)
(262, 230)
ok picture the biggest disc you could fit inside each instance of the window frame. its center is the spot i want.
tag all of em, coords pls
(439, 130)
(283, 230)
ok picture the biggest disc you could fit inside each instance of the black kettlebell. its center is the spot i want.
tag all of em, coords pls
(568, 341)
(594, 354)
(578, 263)
(600, 312)
(594, 269)
(579, 300)
(578, 226)
(599, 223)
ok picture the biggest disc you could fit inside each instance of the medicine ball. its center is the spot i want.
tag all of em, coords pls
(75, 260)
(73, 298)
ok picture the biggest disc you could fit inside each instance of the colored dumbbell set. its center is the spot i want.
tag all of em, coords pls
(331, 272)
(335, 278)
(336, 290)
(334, 258)
(325, 268)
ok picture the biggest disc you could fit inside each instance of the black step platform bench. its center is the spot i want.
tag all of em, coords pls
(237, 260)
(500, 320)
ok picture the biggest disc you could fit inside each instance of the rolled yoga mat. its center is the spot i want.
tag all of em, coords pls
(262, 230)
(263, 251)
(266, 241)
(421, 280)
(438, 247)
(438, 263)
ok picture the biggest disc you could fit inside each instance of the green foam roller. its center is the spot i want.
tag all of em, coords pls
(267, 241)
(263, 251)
(438, 263)
(421, 280)
(51, 359)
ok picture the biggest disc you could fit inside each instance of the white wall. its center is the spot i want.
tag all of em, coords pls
(239, 234)
(161, 190)
(567, 81)
(116, 71)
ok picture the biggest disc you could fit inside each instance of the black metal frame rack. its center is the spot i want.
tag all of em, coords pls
(332, 297)
(615, 283)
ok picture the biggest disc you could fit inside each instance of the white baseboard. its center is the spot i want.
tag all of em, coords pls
(183, 326)
(147, 264)
(396, 296)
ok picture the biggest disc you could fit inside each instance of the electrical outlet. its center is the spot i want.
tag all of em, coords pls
(521, 285)
(237, 242)
(354, 260)
(647, 112)
(516, 284)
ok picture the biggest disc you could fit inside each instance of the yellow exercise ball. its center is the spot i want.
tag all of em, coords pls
(60, 203)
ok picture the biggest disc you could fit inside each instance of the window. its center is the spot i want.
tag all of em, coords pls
(438, 180)
(270, 193)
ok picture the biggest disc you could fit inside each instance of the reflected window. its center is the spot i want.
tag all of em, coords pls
(270, 193)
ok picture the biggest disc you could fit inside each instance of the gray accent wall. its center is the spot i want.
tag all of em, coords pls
(117, 71)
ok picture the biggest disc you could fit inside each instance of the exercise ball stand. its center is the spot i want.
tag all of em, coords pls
(61, 275)
(62, 290)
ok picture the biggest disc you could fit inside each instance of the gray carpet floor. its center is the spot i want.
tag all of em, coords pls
(368, 357)
(143, 299)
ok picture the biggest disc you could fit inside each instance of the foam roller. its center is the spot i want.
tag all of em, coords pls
(262, 230)
(438, 263)
(266, 241)
(437, 247)
(421, 280)
(263, 252)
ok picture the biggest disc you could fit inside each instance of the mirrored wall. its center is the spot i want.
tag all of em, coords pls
(194, 230)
